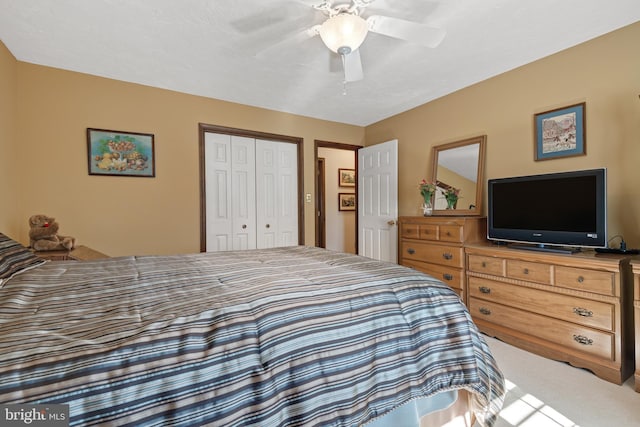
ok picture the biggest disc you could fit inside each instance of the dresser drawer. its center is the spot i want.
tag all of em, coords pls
(454, 277)
(529, 271)
(451, 233)
(429, 232)
(486, 265)
(452, 256)
(580, 338)
(409, 231)
(601, 282)
(595, 314)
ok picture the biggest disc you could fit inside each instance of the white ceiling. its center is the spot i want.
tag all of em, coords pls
(228, 49)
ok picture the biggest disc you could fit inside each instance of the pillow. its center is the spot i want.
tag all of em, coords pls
(15, 258)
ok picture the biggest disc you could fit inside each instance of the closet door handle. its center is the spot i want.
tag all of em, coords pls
(244, 226)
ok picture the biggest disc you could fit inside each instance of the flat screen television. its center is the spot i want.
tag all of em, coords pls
(558, 212)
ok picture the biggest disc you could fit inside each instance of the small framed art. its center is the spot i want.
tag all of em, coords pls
(346, 202)
(346, 177)
(117, 153)
(560, 132)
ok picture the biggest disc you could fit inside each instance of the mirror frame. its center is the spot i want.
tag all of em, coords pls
(437, 149)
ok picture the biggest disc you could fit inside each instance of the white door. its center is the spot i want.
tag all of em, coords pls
(378, 201)
(230, 192)
(276, 194)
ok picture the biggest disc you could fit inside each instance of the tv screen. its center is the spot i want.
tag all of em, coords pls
(557, 209)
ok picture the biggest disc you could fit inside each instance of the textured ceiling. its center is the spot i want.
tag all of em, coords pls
(251, 52)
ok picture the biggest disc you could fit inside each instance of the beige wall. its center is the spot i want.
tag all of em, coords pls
(604, 73)
(123, 215)
(8, 160)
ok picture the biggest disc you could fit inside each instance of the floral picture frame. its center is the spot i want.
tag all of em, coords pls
(346, 202)
(120, 153)
(560, 132)
(346, 177)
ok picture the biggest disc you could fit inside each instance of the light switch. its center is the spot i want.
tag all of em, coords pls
(308, 197)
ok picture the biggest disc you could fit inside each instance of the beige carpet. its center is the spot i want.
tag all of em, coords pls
(546, 393)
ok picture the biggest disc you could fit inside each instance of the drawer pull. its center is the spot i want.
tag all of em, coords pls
(580, 279)
(449, 233)
(484, 264)
(447, 276)
(411, 251)
(582, 312)
(485, 290)
(485, 311)
(581, 339)
(447, 255)
(526, 271)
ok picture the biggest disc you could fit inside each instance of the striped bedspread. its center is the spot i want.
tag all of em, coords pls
(294, 336)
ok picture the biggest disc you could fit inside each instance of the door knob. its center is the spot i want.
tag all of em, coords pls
(391, 222)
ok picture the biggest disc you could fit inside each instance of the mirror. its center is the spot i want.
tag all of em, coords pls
(458, 170)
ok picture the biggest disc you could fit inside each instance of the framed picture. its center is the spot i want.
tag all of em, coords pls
(346, 202)
(117, 153)
(346, 177)
(560, 132)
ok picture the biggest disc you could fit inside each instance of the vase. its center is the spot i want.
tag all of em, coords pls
(451, 203)
(427, 209)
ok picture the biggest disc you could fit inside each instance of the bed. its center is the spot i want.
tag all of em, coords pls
(295, 336)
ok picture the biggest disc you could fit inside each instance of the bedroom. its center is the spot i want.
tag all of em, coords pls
(44, 113)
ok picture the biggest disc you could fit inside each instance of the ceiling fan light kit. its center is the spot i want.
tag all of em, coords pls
(343, 33)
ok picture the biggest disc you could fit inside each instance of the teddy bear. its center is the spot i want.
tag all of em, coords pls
(43, 235)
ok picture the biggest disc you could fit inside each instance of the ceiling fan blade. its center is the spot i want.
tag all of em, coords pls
(406, 30)
(288, 43)
(352, 64)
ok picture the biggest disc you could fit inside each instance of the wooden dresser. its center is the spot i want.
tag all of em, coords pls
(574, 308)
(636, 305)
(435, 245)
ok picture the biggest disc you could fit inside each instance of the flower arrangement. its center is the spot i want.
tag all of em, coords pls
(427, 189)
(451, 195)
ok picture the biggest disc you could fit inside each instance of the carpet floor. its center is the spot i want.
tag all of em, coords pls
(547, 393)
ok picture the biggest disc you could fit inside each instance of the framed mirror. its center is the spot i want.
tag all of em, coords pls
(458, 171)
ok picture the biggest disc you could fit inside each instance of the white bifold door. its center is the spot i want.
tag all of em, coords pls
(251, 192)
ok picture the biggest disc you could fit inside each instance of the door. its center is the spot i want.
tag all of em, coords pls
(378, 201)
(230, 183)
(276, 194)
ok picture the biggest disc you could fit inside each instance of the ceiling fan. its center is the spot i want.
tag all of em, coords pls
(345, 29)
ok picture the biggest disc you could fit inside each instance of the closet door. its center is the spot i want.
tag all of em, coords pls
(276, 194)
(230, 192)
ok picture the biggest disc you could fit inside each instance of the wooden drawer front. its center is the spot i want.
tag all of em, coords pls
(449, 275)
(429, 232)
(567, 334)
(410, 231)
(582, 311)
(486, 264)
(529, 271)
(451, 233)
(601, 282)
(452, 256)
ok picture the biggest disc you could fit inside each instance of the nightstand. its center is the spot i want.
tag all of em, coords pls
(79, 253)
